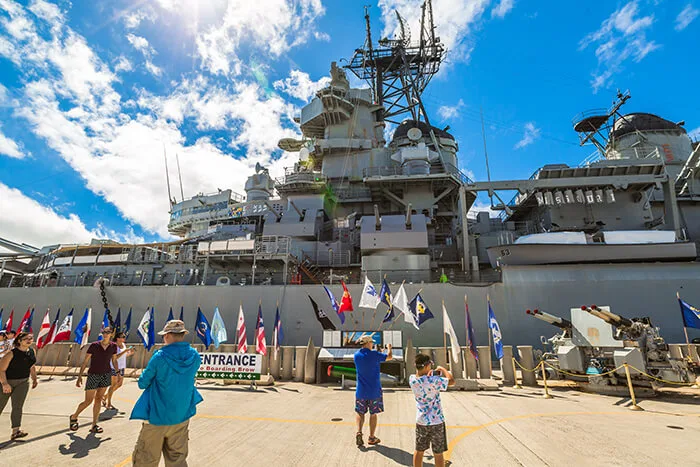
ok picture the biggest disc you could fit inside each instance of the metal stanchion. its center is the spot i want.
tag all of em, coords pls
(547, 395)
(515, 375)
(629, 384)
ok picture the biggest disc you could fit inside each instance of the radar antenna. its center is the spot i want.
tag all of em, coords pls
(594, 126)
(398, 70)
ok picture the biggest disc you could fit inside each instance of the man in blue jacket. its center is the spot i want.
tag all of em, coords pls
(168, 401)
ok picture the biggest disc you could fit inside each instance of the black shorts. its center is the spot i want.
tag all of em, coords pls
(431, 436)
(119, 372)
(98, 380)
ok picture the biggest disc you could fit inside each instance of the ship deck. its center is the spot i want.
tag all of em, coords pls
(295, 424)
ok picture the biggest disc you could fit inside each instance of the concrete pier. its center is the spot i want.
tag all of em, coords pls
(527, 360)
(484, 352)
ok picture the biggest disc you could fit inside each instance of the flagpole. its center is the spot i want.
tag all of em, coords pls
(685, 331)
(444, 334)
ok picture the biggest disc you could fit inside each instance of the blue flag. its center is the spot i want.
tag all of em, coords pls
(105, 323)
(127, 323)
(146, 329)
(495, 333)
(170, 315)
(471, 335)
(334, 304)
(118, 320)
(182, 314)
(691, 315)
(420, 311)
(385, 298)
(82, 330)
(1, 310)
(202, 328)
(28, 325)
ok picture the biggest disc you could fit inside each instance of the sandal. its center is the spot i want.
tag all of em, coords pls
(358, 439)
(96, 429)
(74, 425)
(18, 434)
(373, 440)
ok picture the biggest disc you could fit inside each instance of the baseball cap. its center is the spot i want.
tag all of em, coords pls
(365, 340)
(174, 326)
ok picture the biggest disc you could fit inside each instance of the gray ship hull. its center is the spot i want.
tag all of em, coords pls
(632, 290)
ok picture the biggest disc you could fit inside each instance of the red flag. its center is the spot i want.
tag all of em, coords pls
(346, 301)
(41, 339)
(8, 324)
(240, 332)
(52, 330)
(260, 344)
(64, 330)
(24, 321)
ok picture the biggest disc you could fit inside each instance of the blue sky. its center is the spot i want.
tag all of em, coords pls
(93, 92)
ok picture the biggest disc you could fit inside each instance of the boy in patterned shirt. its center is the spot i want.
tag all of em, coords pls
(430, 422)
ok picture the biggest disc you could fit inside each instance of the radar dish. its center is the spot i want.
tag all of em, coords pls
(303, 154)
(290, 144)
(414, 134)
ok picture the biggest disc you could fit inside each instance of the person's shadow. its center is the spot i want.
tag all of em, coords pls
(81, 447)
(399, 456)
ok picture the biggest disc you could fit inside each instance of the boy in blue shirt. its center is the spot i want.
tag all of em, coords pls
(430, 421)
(368, 394)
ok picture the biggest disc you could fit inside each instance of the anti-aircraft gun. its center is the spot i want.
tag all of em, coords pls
(597, 341)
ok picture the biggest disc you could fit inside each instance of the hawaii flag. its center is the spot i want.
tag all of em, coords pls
(240, 332)
(41, 339)
(370, 297)
(64, 330)
(278, 336)
(260, 344)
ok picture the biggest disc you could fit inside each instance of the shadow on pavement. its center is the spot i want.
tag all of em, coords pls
(81, 447)
(399, 456)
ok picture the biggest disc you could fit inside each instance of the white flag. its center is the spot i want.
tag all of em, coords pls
(44, 330)
(450, 331)
(218, 329)
(400, 302)
(370, 297)
(144, 329)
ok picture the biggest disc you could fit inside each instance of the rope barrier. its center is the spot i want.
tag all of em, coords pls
(526, 369)
(661, 380)
(559, 370)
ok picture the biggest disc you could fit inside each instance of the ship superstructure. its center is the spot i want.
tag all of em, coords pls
(377, 191)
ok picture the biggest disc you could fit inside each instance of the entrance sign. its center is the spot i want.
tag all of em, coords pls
(245, 366)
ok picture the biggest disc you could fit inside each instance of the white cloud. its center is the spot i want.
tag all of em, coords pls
(135, 18)
(447, 112)
(454, 20)
(25, 220)
(531, 134)
(273, 26)
(694, 134)
(122, 64)
(300, 85)
(686, 16)
(502, 8)
(4, 95)
(621, 36)
(9, 148)
(322, 36)
(153, 69)
(141, 44)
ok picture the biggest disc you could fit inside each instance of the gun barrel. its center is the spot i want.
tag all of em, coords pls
(549, 318)
(612, 318)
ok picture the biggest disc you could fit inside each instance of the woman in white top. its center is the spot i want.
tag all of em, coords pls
(118, 375)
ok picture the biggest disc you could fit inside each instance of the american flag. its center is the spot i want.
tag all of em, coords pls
(260, 344)
(240, 332)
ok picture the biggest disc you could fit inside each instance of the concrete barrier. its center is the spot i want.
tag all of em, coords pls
(287, 363)
(484, 352)
(470, 363)
(299, 359)
(310, 363)
(527, 360)
(440, 356)
(275, 363)
(409, 356)
(456, 366)
(507, 366)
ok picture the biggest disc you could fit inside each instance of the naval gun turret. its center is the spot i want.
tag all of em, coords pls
(596, 343)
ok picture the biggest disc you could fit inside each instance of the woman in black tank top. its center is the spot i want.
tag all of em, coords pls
(15, 369)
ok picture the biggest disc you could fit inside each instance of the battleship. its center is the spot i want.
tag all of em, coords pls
(362, 201)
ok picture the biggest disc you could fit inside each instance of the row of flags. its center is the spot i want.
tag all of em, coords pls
(216, 334)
